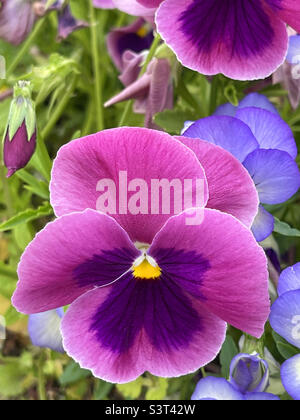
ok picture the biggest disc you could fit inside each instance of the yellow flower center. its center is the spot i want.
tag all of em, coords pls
(146, 271)
(142, 32)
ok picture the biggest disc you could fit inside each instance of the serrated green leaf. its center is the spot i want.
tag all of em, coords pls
(229, 350)
(73, 373)
(26, 216)
(284, 229)
(131, 390)
(159, 390)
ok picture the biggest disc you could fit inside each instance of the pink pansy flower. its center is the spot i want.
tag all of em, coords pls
(244, 40)
(147, 292)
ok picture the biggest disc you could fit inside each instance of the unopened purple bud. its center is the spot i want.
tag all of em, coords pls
(20, 133)
(18, 151)
(16, 20)
(68, 24)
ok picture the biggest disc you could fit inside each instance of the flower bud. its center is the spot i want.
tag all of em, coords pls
(20, 133)
(249, 373)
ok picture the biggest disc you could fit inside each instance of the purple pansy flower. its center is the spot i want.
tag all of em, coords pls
(16, 20)
(289, 73)
(285, 320)
(264, 143)
(251, 45)
(249, 379)
(44, 329)
(147, 292)
(135, 37)
(153, 91)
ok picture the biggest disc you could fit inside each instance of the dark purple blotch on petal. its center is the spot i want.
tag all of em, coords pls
(241, 26)
(105, 268)
(162, 306)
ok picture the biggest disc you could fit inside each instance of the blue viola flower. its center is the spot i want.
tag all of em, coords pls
(44, 329)
(285, 320)
(259, 138)
(293, 55)
(248, 380)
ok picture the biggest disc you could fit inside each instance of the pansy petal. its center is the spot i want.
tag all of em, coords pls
(261, 396)
(290, 376)
(227, 270)
(226, 109)
(293, 56)
(275, 174)
(219, 389)
(138, 155)
(104, 4)
(258, 101)
(289, 279)
(122, 331)
(285, 317)
(150, 3)
(134, 7)
(44, 329)
(227, 132)
(251, 45)
(263, 224)
(57, 266)
(270, 130)
(288, 11)
(231, 189)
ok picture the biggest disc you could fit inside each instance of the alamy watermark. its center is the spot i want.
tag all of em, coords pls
(296, 67)
(2, 328)
(155, 196)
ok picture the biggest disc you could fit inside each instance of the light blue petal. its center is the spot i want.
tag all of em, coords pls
(216, 389)
(227, 132)
(275, 174)
(289, 279)
(226, 109)
(270, 130)
(263, 224)
(285, 317)
(258, 101)
(261, 396)
(186, 125)
(290, 376)
(293, 55)
(249, 373)
(44, 329)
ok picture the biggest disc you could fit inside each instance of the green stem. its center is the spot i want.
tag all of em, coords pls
(213, 95)
(151, 53)
(96, 69)
(59, 109)
(25, 47)
(203, 372)
(41, 379)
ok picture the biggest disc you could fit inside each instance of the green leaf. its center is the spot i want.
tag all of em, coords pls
(7, 286)
(73, 373)
(286, 349)
(172, 121)
(12, 379)
(102, 389)
(26, 216)
(131, 390)
(37, 187)
(229, 350)
(284, 229)
(159, 390)
(12, 316)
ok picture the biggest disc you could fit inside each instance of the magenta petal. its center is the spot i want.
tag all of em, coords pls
(134, 7)
(251, 45)
(142, 154)
(231, 188)
(288, 11)
(81, 338)
(48, 271)
(235, 287)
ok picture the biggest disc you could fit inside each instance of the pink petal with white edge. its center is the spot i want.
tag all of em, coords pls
(144, 154)
(231, 189)
(81, 343)
(133, 7)
(252, 44)
(46, 270)
(235, 285)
